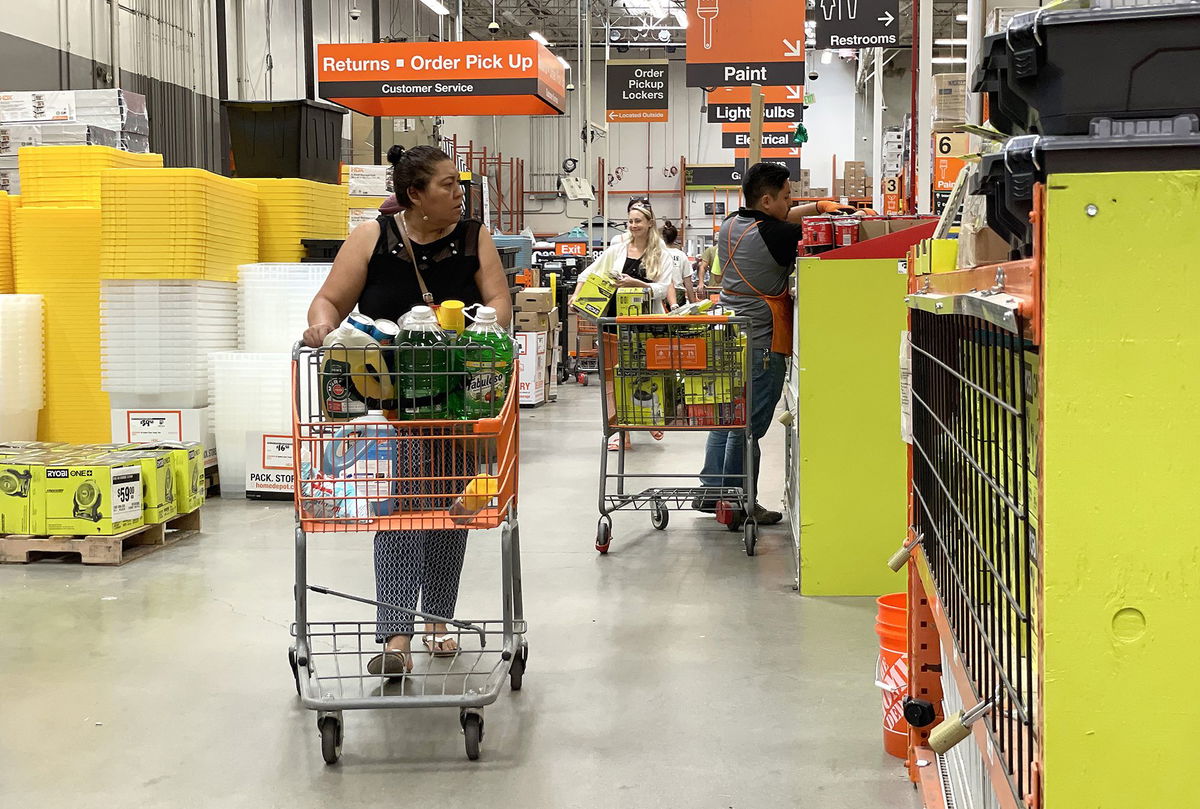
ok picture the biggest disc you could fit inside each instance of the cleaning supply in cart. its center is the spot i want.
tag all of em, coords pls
(423, 367)
(451, 317)
(474, 498)
(486, 360)
(353, 377)
(364, 451)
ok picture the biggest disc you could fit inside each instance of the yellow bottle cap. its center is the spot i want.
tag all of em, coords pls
(450, 316)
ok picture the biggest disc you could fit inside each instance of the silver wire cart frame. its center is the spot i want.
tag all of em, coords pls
(410, 476)
(675, 374)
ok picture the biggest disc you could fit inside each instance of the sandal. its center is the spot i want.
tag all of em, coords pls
(614, 443)
(391, 663)
(657, 435)
(436, 644)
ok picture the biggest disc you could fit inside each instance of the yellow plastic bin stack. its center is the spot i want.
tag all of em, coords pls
(57, 256)
(290, 210)
(178, 224)
(69, 176)
(6, 259)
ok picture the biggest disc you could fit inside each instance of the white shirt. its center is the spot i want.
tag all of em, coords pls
(679, 266)
(612, 261)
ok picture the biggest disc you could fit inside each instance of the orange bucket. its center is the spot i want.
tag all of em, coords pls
(891, 674)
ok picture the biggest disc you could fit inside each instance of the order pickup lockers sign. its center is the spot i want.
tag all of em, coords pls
(637, 91)
(781, 105)
(407, 79)
(736, 43)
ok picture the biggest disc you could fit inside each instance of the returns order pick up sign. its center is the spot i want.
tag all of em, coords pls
(442, 78)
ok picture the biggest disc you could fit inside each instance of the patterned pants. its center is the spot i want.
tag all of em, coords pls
(424, 564)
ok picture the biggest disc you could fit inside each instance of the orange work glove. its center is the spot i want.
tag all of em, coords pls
(829, 206)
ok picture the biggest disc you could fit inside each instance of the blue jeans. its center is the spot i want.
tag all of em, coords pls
(725, 453)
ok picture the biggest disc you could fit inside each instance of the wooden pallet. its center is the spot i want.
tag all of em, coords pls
(97, 550)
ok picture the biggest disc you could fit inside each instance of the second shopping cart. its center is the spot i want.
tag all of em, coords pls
(674, 374)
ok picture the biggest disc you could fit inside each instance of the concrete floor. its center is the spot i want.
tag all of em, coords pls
(675, 672)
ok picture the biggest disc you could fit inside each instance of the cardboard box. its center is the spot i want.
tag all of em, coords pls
(632, 302)
(16, 495)
(101, 496)
(592, 297)
(369, 180)
(704, 389)
(158, 485)
(187, 470)
(154, 426)
(531, 349)
(949, 98)
(998, 18)
(818, 192)
(839, 187)
(535, 299)
(587, 342)
(642, 399)
(270, 474)
(54, 105)
(872, 228)
(535, 321)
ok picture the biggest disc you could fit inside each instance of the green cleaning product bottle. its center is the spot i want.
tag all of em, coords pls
(423, 363)
(486, 354)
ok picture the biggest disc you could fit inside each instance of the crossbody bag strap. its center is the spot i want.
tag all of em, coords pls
(425, 294)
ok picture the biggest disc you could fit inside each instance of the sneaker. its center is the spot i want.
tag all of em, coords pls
(706, 506)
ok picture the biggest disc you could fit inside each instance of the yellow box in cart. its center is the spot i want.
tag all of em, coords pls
(632, 302)
(94, 496)
(642, 399)
(592, 297)
(708, 388)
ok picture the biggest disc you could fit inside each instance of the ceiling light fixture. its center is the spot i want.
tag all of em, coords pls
(436, 7)
(960, 18)
(534, 35)
(826, 57)
(951, 42)
(948, 60)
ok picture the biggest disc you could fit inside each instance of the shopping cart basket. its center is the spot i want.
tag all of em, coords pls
(675, 374)
(585, 360)
(385, 474)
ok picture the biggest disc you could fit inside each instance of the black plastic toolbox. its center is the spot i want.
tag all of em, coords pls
(1053, 71)
(1006, 178)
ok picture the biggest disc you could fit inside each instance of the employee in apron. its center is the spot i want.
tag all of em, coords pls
(756, 250)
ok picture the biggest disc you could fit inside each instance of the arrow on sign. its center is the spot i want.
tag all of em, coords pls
(612, 116)
(795, 92)
(792, 47)
(794, 152)
(887, 18)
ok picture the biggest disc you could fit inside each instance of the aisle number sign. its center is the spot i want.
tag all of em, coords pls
(637, 91)
(891, 196)
(736, 43)
(442, 78)
(731, 105)
(948, 149)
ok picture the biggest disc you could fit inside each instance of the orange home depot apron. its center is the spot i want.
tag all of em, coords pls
(780, 305)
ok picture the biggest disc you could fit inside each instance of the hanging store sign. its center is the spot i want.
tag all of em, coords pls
(731, 105)
(736, 43)
(704, 177)
(857, 24)
(792, 164)
(408, 79)
(774, 136)
(637, 91)
(772, 153)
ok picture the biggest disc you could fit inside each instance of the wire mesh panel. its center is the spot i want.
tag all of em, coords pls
(974, 411)
(377, 447)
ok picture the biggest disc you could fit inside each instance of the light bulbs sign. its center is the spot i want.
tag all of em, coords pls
(731, 105)
(637, 91)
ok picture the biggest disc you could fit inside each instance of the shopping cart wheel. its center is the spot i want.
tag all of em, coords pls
(516, 671)
(750, 532)
(659, 517)
(330, 726)
(603, 536)
(472, 725)
(730, 515)
(295, 668)
(582, 378)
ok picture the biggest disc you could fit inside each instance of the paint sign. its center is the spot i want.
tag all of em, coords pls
(736, 43)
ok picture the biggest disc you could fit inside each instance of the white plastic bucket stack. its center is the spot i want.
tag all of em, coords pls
(273, 301)
(22, 371)
(251, 393)
(156, 336)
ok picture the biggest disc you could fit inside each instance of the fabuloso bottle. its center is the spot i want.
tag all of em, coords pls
(423, 365)
(486, 353)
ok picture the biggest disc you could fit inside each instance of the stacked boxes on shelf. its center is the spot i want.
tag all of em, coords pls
(537, 327)
(69, 176)
(7, 206)
(368, 187)
(118, 111)
(893, 152)
(290, 210)
(949, 100)
(172, 243)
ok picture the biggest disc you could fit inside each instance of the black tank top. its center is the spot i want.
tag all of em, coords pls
(448, 266)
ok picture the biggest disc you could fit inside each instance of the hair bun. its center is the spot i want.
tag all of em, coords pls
(394, 154)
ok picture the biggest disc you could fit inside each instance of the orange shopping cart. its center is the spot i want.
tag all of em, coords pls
(384, 472)
(675, 373)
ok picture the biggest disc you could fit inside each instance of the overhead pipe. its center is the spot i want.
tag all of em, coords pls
(114, 41)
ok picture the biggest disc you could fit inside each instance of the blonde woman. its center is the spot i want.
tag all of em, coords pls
(638, 260)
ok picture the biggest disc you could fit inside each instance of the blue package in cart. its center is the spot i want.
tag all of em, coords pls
(362, 456)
